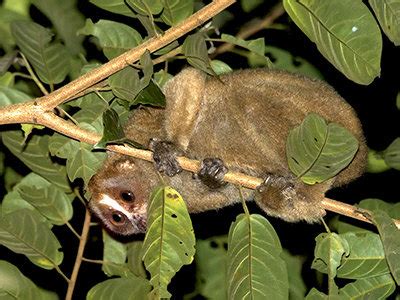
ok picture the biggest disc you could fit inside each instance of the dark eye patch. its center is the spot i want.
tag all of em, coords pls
(127, 196)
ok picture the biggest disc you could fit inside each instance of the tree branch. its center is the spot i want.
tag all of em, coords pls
(79, 255)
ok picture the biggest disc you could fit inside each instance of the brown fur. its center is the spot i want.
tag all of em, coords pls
(244, 119)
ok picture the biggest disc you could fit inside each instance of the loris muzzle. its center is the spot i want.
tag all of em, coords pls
(239, 122)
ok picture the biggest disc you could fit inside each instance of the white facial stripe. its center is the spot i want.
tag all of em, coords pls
(107, 200)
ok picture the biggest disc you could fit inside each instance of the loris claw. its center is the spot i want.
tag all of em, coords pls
(164, 156)
(244, 119)
(212, 172)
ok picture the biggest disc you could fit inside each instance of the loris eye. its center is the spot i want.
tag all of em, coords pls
(127, 196)
(117, 218)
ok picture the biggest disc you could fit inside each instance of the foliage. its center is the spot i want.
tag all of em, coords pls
(46, 44)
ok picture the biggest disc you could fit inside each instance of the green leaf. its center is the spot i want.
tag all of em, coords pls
(314, 294)
(13, 202)
(175, 11)
(14, 285)
(49, 200)
(249, 5)
(376, 163)
(366, 258)
(398, 100)
(51, 61)
(329, 251)
(392, 154)
(390, 236)
(392, 209)
(84, 163)
(210, 256)
(220, 67)
(257, 46)
(152, 95)
(169, 242)
(10, 96)
(114, 6)
(114, 38)
(147, 67)
(297, 286)
(135, 263)
(379, 287)
(23, 233)
(285, 60)
(7, 16)
(317, 151)
(328, 255)
(125, 84)
(161, 78)
(195, 49)
(6, 62)
(35, 155)
(114, 257)
(345, 33)
(66, 19)
(120, 288)
(255, 267)
(388, 14)
(144, 7)
(113, 132)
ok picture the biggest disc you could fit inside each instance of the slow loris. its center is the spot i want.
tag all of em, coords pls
(239, 121)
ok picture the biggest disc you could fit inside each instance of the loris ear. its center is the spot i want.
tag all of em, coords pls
(184, 95)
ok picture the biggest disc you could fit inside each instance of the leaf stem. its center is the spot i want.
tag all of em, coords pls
(79, 255)
(33, 75)
(73, 230)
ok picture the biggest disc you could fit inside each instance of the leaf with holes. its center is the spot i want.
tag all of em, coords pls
(345, 33)
(255, 267)
(169, 242)
(51, 61)
(317, 151)
(25, 233)
(388, 14)
(390, 236)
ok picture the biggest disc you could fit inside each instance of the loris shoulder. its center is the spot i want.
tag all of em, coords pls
(239, 122)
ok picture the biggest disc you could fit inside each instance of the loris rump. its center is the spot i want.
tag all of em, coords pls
(239, 121)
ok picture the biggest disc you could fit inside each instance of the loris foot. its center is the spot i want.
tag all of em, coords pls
(212, 172)
(290, 199)
(164, 155)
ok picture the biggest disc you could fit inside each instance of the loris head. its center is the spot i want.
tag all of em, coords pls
(119, 195)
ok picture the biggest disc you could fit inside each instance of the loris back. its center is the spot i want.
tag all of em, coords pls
(244, 119)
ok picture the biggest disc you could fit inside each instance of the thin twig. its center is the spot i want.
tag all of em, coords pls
(79, 255)
(255, 27)
(33, 75)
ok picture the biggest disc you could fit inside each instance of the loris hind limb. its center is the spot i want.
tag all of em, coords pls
(243, 119)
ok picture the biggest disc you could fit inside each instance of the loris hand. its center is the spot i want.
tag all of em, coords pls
(164, 155)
